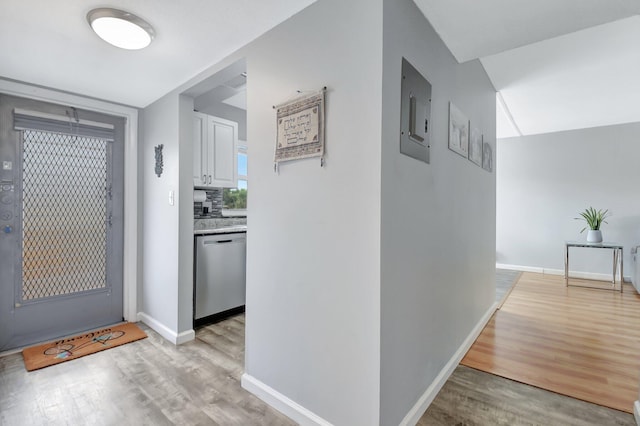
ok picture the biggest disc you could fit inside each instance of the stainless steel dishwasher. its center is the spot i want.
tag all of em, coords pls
(220, 278)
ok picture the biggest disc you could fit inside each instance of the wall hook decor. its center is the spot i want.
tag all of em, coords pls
(158, 152)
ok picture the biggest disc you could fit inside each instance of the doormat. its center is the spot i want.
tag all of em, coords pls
(69, 348)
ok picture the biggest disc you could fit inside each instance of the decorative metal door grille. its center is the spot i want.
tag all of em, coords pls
(64, 214)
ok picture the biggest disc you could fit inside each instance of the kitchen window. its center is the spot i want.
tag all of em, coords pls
(234, 200)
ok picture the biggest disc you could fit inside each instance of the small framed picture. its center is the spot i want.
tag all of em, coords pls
(487, 157)
(458, 131)
(475, 145)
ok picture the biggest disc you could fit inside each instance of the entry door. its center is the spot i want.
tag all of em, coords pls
(61, 220)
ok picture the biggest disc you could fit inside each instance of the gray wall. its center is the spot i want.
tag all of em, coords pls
(167, 284)
(544, 181)
(438, 219)
(312, 322)
(184, 202)
(160, 223)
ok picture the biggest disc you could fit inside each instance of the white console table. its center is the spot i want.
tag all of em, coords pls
(617, 250)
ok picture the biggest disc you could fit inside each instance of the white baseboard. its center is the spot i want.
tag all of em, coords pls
(11, 352)
(286, 406)
(429, 395)
(185, 336)
(550, 271)
(636, 412)
(166, 332)
(520, 268)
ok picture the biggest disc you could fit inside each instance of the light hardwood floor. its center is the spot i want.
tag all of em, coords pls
(148, 382)
(575, 341)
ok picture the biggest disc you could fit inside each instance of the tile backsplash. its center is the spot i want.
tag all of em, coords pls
(213, 205)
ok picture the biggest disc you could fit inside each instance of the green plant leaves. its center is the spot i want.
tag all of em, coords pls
(594, 218)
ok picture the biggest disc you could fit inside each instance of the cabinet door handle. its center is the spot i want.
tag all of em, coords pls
(204, 178)
(209, 179)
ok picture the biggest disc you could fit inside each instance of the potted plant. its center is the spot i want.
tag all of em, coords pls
(595, 219)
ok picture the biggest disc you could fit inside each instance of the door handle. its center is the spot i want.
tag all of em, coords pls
(204, 178)
(413, 120)
(209, 179)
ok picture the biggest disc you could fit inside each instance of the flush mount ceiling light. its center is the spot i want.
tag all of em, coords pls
(121, 29)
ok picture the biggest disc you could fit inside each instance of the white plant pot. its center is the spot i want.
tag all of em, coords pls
(594, 236)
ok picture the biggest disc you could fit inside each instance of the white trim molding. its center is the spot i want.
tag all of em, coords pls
(166, 332)
(286, 406)
(130, 252)
(430, 394)
(549, 271)
(185, 336)
(520, 268)
(636, 412)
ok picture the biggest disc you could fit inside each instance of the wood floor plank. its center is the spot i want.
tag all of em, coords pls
(149, 382)
(505, 280)
(575, 341)
(474, 398)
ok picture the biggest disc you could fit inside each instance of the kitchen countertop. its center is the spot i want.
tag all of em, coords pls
(219, 225)
(221, 230)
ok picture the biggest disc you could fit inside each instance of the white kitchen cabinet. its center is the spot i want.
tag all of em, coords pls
(199, 135)
(215, 162)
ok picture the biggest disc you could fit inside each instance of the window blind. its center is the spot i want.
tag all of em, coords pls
(25, 119)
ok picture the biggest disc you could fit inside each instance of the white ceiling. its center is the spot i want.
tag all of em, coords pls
(584, 79)
(473, 29)
(558, 64)
(239, 100)
(50, 43)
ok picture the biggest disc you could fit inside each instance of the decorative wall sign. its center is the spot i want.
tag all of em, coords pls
(458, 131)
(300, 128)
(487, 157)
(158, 150)
(475, 145)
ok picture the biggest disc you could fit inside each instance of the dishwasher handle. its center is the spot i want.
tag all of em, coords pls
(206, 243)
